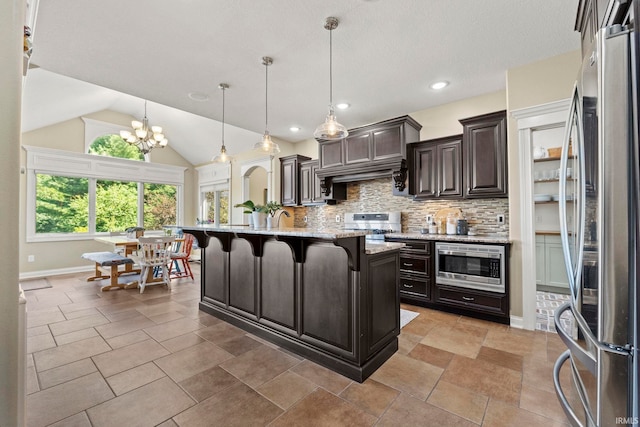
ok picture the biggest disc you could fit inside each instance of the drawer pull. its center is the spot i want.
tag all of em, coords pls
(407, 286)
(468, 298)
(406, 264)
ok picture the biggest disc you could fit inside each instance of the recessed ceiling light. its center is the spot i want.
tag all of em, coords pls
(294, 128)
(199, 96)
(342, 106)
(439, 85)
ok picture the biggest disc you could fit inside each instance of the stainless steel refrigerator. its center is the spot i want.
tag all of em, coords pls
(596, 379)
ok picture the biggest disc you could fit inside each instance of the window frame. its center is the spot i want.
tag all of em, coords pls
(214, 178)
(80, 165)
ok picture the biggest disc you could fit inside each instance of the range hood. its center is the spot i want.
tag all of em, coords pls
(373, 151)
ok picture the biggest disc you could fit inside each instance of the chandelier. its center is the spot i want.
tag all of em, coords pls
(266, 145)
(145, 137)
(331, 129)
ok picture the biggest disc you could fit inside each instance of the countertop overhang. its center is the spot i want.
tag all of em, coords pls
(291, 232)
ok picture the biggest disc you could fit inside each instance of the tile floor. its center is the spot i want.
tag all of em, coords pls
(547, 303)
(121, 358)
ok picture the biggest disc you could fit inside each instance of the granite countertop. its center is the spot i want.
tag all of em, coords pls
(293, 232)
(381, 246)
(480, 238)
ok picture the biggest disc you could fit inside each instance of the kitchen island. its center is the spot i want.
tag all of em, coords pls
(324, 295)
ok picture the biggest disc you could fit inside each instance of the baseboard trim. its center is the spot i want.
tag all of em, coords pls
(57, 272)
(516, 322)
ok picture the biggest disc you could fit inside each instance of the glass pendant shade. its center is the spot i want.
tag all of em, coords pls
(266, 145)
(331, 129)
(223, 157)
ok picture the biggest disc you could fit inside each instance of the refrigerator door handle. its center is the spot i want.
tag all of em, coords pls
(564, 403)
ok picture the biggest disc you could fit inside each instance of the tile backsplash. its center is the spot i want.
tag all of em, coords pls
(376, 196)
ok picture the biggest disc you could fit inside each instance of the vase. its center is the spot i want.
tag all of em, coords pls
(269, 222)
(259, 219)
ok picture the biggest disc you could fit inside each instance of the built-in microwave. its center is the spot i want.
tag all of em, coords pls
(471, 266)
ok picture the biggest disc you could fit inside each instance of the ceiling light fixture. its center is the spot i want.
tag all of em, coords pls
(294, 128)
(439, 85)
(145, 137)
(331, 129)
(342, 106)
(222, 157)
(266, 145)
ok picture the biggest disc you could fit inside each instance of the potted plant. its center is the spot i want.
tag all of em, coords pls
(258, 213)
(274, 208)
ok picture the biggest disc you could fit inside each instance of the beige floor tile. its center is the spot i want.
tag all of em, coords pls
(166, 306)
(408, 375)
(511, 342)
(420, 326)
(431, 355)
(73, 325)
(78, 420)
(38, 330)
(62, 374)
(148, 405)
(193, 360)
(166, 317)
(183, 341)
(172, 329)
(259, 365)
(124, 358)
(32, 384)
(237, 406)
(325, 409)
(286, 389)
(76, 336)
(485, 378)
(322, 376)
(64, 354)
(168, 423)
(220, 332)
(409, 411)
(127, 339)
(541, 402)
(119, 316)
(501, 414)
(62, 401)
(501, 358)
(371, 396)
(43, 317)
(207, 383)
(407, 342)
(460, 401)
(239, 345)
(465, 340)
(135, 377)
(125, 326)
(40, 342)
(92, 311)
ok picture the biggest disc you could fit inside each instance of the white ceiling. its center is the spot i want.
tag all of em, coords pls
(386, 53)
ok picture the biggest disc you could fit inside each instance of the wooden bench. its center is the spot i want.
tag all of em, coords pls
(111, 260)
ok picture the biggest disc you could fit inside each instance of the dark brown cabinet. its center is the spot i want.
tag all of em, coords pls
(485, 155)
(416, 270)
(436, 167)
(290, 179)
(311, 191)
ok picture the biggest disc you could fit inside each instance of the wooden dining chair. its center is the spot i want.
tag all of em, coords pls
(154, 256)
(180, 258)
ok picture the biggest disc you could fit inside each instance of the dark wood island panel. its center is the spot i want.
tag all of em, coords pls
(318, 294)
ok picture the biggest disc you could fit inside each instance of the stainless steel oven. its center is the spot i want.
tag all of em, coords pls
(471, 266)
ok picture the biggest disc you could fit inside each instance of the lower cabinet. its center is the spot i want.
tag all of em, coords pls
(551, 271)
(416, 267)
(477, 301)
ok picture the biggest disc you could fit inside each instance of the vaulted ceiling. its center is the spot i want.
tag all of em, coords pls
(114, 54)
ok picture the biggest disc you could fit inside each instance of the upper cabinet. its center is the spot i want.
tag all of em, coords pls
(485, 155)
(290, 179)
(371, 151)
(311, 189)
(436, 167)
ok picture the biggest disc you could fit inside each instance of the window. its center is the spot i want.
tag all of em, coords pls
(115, 146)
(72, 196)
(215, 205)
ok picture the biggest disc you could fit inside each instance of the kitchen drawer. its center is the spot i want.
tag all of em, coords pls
(477, 301)
(414, 264)
(423, 247)
(414, 286)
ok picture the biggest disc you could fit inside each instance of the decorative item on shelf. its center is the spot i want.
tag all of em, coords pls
(331, 129)
(266, 145)
(223, 157)
(145, 137)
(27, 46)
(540, 153)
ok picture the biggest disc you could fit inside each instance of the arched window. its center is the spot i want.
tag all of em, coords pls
(115, 146)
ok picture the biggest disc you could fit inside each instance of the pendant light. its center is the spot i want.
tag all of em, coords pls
(331, 129)
(266, 145)
(222, 157)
